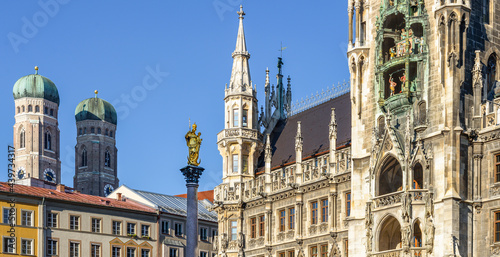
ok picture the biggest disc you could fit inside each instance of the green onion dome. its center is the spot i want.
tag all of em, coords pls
(95, 109)
(37, 86)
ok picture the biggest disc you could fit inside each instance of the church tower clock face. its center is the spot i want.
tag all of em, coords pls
(49, 175)
(21, 173)
(108, 189)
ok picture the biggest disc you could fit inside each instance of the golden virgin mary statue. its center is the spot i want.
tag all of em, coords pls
(193, 142)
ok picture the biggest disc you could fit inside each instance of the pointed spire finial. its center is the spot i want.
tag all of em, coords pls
(36, 69)
(96, 92)
(241, 13)
(298, 138)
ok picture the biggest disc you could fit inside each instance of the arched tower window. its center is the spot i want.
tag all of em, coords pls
(84, 158)
(391, 177)
(236, 117)
(491, 76)
(245, 118)
(80, 131)
(107, 159)
(422, 113)
(23, 108)
(111, 133)
(18, 109)
(390, 235)
(84, 131)
(417, 235)
(418, 177)
(37, 108)
(30, 108)
(107, 132)
(22, 139)
(99, 131)
(48, 141)
(92, 130)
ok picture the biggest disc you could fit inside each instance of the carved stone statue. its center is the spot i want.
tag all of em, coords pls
(405, 206)
(405, 237)
(193, 142)
(429, 233)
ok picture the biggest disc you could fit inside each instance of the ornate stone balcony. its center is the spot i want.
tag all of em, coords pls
(389, 253)
(237, 132)
(388, 199)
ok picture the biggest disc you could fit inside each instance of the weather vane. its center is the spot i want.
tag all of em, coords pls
(193, 142)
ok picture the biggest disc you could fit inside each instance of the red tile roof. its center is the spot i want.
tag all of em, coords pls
(209, 195)
(74, 197)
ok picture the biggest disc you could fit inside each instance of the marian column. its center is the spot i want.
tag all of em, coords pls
(192, 173)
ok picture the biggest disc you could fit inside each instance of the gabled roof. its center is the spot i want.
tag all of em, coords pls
(178, 205)
(97, 201)
(314, 124)
(165, 203)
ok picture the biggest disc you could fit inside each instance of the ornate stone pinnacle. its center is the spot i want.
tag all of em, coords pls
(241, 13)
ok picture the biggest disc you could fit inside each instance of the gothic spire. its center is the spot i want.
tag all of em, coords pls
(240, 77)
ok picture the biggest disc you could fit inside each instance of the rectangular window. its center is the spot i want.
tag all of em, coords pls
(253, 227)
(324, 210)
(236, 118)
(261, 225)
(235, 163)
(95, 250)
(282, 254)
(314, 213)
(204, 234)
(144, 230)
(282, 220)
(214, 233)
(244, 164)
(116, 251)
(245, 118)
(9, 215)
(74, 222)
(497, 168)
(164, 227)
(291, 253)
(9, 245)
(145, 252)
(178, 229)
(291, 218)
(130, 252)
(74, 249)
(174, 252)
(234, 230)
(203, 254)
(27, 246)
(324, 250)
(51, 247)
(130, 228)
(96, 225)
(52, 220)
(26, 218)
(117, 227)
(314, 251)
(348, 204)
(497, 226)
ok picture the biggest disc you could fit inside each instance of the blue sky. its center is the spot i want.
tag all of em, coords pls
(112, 45)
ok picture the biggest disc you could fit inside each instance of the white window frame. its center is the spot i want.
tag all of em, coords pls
(29, 217)
(30, 249)
(76, 249)
(96, 228)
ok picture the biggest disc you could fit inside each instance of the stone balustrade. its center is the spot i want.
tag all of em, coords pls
(389, 253)
(239, 132)
(388, 199)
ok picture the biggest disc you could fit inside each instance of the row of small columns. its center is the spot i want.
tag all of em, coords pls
(354, 5)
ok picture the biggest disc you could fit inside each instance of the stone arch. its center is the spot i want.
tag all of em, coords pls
(107, 158)
(491, 74)
(22, 137)
(83, 156)
(389, 233)
(390, 176)
(48, 139)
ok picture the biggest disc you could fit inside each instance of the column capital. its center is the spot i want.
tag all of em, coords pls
(192, 173)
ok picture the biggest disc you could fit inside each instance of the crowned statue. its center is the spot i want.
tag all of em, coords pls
(193, 142)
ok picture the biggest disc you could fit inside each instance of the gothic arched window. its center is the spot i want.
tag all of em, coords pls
(418, 177)
(84, 158)
(37, 108)
(107, 159)
(491, 76)
(23, 108)
(22, 139)
(30, 108)
(391, 177)
(99, 131)
(236, 117)
(245, 118)
(48, 141)
(18, 109)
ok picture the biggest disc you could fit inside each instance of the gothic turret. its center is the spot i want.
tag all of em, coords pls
(240, 143)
